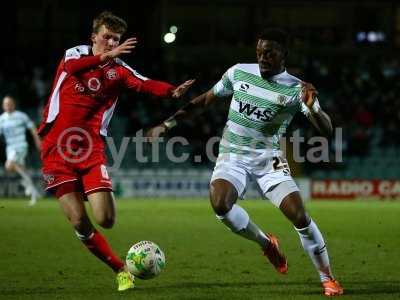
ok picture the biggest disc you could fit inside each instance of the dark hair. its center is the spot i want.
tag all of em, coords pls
(277, 35)
(111, 21)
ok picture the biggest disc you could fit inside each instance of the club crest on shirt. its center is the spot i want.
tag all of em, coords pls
(111, 74)
(94, 84)
(281, 99)
(49, 179)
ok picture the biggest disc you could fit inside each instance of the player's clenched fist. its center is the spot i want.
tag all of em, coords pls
(309, 93)
(156, 132)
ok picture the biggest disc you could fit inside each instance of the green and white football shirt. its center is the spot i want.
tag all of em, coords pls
(260, 110)
(13, 126)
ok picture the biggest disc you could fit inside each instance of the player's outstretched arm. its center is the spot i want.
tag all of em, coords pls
(196, 106)
(317, 116)
(322, 122)
(80, 63)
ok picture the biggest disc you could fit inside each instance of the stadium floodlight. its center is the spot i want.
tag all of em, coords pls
(371, 36)
(173, 29)
(169, 37)
(361, 36)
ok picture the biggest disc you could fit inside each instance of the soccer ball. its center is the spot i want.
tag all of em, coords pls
(145, 260)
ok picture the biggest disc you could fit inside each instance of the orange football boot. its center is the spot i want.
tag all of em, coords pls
(275, 256)
(332, 288)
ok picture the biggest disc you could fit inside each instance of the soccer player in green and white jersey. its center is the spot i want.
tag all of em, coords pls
(265, 97)
(13, 125)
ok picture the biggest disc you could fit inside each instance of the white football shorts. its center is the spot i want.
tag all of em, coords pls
(268, 174)
(17, 155)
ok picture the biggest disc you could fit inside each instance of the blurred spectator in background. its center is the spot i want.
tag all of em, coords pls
(13, 125)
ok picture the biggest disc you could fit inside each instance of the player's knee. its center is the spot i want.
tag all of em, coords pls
(293, 208)
(301, 219)
(221, 200)
(105, 221)
(9, 166)
(220, 206)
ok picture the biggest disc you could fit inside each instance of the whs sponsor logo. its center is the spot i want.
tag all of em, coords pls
(264, 115)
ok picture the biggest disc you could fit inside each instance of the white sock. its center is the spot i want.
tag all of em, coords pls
(314, 244)
(239, 222)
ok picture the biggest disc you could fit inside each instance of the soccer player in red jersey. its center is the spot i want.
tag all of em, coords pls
(88, 82)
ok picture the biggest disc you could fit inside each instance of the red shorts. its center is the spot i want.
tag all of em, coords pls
(84, 173)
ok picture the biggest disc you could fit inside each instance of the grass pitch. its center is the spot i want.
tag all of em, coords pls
(40, 258)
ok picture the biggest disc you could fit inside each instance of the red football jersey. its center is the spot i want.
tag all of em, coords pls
(84, 95)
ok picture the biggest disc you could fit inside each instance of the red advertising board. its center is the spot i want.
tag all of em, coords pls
(350, 189)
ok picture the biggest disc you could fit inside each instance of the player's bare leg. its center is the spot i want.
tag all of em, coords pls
(103, 208)
(223, 197)
(312, 241)
(30, 189)
(72, 204)
(73, 207)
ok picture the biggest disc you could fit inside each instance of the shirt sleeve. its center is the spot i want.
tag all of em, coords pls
(78, 64)
(139, 83)
(77, 59)
(224, 87)
(27, 121)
